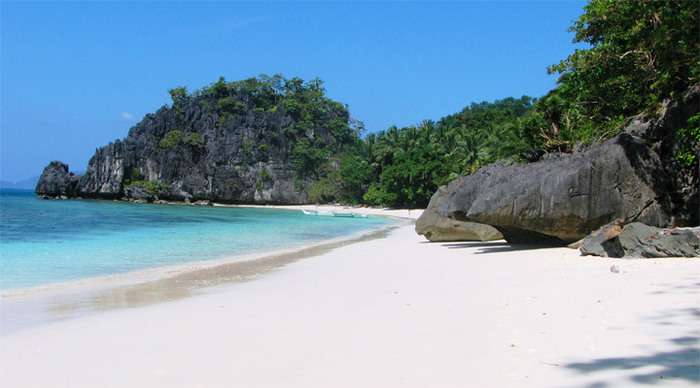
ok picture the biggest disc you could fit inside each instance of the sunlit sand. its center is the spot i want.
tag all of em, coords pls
(394, 310)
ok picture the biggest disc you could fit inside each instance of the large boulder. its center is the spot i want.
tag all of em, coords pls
(436, 227)
(57, 182)
(561, 199)
(637, 240)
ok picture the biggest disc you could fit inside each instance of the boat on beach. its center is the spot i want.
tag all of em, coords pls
(332, 213)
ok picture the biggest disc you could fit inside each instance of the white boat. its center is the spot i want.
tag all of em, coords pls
(332, 213)
(317, 213)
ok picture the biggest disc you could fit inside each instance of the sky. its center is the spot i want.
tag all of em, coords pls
(75, 76)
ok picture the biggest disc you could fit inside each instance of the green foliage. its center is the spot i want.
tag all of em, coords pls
(374, 196)
(320, 127)
(153, 186)
(355, 176)
(133, 175)
(178, 94)
(298, 185)
(265, 175)
(404, 166)
(308, 159)
(172, 139)
(324, 190)
(247, 146)
(412, 179)
(175, 138)
(648, 48)
(136, 174)
(641, 53)
(689, 138)
(194, 140)
(312, 112)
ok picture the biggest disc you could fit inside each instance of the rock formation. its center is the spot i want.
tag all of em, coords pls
(637, 240)
(560, 200)
(56, 181)
(251, 141)
(440, 228)
(139, 194)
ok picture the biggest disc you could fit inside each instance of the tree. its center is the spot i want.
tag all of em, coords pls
(356, 176)
(178, 94)
(411, 180)
(642, 52)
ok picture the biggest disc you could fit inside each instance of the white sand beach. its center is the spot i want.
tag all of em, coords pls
(395, 311)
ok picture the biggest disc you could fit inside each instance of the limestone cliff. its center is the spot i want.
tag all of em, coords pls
(260, 140)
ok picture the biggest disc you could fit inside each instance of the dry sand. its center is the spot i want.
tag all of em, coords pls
(395, 311)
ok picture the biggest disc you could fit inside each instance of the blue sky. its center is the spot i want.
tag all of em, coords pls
(77, 75)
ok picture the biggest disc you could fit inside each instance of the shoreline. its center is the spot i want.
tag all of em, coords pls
(142, 275)
(26, 307)
(392, 311)
(388, 310)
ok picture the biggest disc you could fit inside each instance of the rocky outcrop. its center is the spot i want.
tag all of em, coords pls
(599, 236)
(139, 194)
(174, 194)
(439, 228)
(562, 199)
(241, 142)
(56, 181)
(637, 240)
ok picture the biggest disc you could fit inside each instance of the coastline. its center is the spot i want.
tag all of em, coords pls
(392, 311)
(27, 307)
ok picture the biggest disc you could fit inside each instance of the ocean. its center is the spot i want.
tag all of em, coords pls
(43, 242)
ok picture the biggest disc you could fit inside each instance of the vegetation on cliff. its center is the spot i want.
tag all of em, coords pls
(266, 139)
(319, 128)
(641, 54)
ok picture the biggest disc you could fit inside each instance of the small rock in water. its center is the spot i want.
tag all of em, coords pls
(614, 269)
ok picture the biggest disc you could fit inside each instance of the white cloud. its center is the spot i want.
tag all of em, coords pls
(126, 116)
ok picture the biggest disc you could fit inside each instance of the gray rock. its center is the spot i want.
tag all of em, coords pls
(594, 244)
(560, 200)
(139, 193)
(637, 240)
(56, 181)
(174, 193)
(439, 228)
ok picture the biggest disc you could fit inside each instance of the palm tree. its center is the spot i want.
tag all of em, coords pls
(504, 139)
(387, 143)
(473, 150)
(369, 148)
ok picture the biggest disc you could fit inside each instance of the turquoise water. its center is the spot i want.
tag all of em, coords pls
(44, 242)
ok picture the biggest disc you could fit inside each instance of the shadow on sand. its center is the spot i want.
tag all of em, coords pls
(493, 246)
(680, 364)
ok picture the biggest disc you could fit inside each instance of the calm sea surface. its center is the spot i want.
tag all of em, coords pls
(44, 242)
